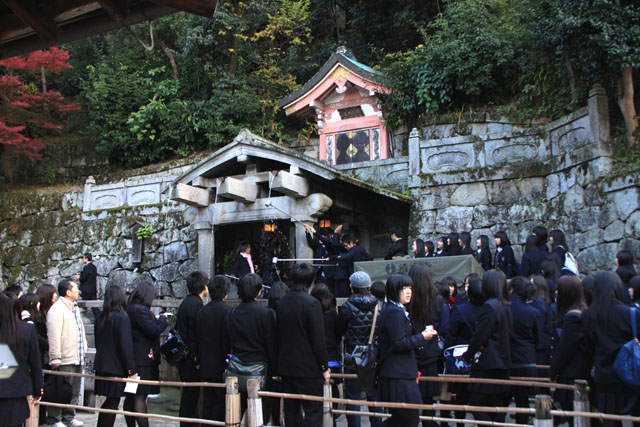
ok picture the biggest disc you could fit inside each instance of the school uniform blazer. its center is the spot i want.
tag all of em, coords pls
(484, 259)
(240, 267)
(321, 246)
(462, 323)
(429, 352)
(492, 337)
(186, 321)
(88, 278)
(251, 331)
(114, 345)
(397, 248)
(27, 379)
(300, 330)
(527, 265)
(545, 318)
(398, 345)
(211, 346)
(146, 330)
(570, 357)
(603, 345)
(345, 261)
(525, 334)
(506, 261)
(466, 251)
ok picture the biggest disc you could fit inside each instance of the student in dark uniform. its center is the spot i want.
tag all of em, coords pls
(465, 243)
(398, 369)
(490, 345)
(625, 271)
(607, 327)
(529, 262)
(525, 338)
(27, 379)
(426, 308)
(243, 264)
(542, 235)
(322, 249)
(429, 249)
(559, 249)
(542, 303)
(146, 330)
(398, 246)
(186, 326)
(462, 323)
(452, 243)
(114, 351)
(442, 247)
(570, 360)
(88, 278)
(354, 253)
(251, 330)
(483, 252)
(211, 348)
(418, 249)
(505, 260)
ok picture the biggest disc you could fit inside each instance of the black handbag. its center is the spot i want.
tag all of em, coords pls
(57, 389)
(246, 371)
(174, 349)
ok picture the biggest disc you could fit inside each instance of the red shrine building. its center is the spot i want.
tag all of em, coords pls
(342, 96)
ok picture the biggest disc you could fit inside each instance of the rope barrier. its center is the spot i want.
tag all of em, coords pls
(135, 414)
(428, 418)
(598, 415)
(131, 380)
(399, 405)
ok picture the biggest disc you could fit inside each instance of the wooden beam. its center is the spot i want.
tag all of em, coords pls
(192, 196)
(32, 15)
(291, 185)
(197, 7)
(117, 9)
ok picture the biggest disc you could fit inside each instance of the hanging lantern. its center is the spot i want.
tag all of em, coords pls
(270, 228)
(324, 223)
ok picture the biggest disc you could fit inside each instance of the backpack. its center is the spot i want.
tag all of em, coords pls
(570, 263)
(174, 349)
(627, 363)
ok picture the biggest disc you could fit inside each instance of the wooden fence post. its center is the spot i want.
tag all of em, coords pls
(327, 416)
(581, 403)
(254, 404)
(232, 402)
(543, 417)
(34, 411)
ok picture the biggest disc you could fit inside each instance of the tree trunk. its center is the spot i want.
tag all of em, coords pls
(572, 78)
(172, 59)
(627, 107)
(44, 79)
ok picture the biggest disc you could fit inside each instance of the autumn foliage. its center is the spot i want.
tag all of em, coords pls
(30, 115)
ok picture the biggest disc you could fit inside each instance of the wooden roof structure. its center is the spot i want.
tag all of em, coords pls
(28, 25)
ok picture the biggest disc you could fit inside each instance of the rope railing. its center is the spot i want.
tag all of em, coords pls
(134, 414)
(595, 415)
(138, 381)
(436, 419)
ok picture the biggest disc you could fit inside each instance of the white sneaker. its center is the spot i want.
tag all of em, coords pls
(58, 424)
(76, 423)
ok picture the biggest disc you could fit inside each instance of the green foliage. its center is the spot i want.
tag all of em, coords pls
(145, 231)
(227, 263)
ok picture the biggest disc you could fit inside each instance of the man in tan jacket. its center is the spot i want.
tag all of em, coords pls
(67, 347)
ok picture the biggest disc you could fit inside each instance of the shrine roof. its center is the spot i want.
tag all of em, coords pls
(336, 59)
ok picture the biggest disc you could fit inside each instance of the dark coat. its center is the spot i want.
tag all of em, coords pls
(545, 318)
(146, 330)
(528, 264)
(27, 379)
(186, 321)
(462, 323)
(429, 352)
(333, 335)
(506, 262)
(301, 341)
(88, 278)
(43, 342)
(466, 251)
(397, 248)
(443, 253)
(492, 337)
(114, 346)
(603, 345)
(240, 267)
(526, 332)
(345, 261)
(251, 330)
(321, 246)
(210, 346)
(558, 254)
(571, 360)
(356, 317)
(484, 259)
(398, 345)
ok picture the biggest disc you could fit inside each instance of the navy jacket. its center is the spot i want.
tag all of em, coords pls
(462, 324)
(484, 259)
(301, 341)
(88, 278)
(506, 262)
(240, 267)
(345, 261)
(210, 346)
(492, 337)
(114, 345)
(27, 379)
(322, 248)
(398, 345)
(429, 352)
(146, 330)
(525, 335)
(603, 345)
(528, 265)
(466, 251)
(251, 330)
(545, 319)
(186, 322)
(571, 359)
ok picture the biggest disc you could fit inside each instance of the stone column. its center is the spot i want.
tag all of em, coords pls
(599, 131)
(414, 159)
(88, 186)
(303, 251)
(206, 247)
